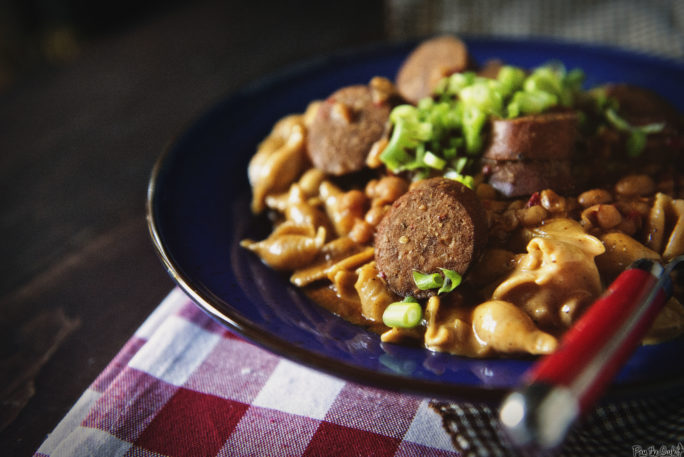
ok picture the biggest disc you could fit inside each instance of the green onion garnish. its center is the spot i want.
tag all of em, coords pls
(427, 281)
(618, 122)
(511, 78)
(445, 284)
(433, 161)
(441, 130)
(403, 314)
(531, 102)
(466, 180)
(451, 281)
(636, 141)
(409, 132)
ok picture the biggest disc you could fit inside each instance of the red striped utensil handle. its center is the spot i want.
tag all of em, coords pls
(563, 386)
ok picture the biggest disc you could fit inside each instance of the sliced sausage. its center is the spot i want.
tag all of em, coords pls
(640, 106)
(344, 129)
(548, 136)
(431, 61)
(662, 150)
(516, 178)
(439, 223)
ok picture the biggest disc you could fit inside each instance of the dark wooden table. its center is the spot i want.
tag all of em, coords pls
(77, 143)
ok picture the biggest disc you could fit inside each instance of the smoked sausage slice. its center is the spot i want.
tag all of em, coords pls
(516, 178)
(344, 128)
(549, 136)
(439, 223)
(431, 61)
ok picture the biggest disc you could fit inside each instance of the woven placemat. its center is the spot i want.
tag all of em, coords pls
(654, 27)
(642, 426)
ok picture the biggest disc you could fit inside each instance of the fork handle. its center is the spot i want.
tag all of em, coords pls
(564, 385)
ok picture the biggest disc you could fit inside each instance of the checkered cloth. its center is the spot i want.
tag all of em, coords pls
(185, 386)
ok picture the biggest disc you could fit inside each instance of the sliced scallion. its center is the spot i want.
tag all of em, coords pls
(451, 281)
(441, 129)
(427, 281)
(433, 161)
(636, 141)
(466, 180)
(444, 284)
(403, 314)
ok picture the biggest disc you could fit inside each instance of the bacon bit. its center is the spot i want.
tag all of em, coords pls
(535, 199)
(487, 170)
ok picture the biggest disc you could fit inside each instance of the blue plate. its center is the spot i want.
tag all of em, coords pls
(198, 211)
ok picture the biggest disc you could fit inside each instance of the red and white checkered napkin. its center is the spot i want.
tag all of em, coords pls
(184, 386)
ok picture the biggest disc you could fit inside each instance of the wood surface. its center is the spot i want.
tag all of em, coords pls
(78, 141)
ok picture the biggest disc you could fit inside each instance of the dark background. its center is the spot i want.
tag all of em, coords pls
(90, 94)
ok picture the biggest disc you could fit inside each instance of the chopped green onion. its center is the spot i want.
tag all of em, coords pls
(575, 79)
(450, 153)
(451, 281)
(409, 132)
(618, 122)
(460, 164)
(403, 314)
(445, 284)
(485, 97)
(600, 98)
(434, 161)
(473, 121)
(458, 81)
(440, 130)
(656, 127)
(636, 141)
(544, 79)
(427, 281)
(511, 78)
(466, 180)
(531, 102)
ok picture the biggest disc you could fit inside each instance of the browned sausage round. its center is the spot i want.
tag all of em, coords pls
(548, 136)
(439, 223)
(431, 61)
(641, 106)
(344, 129)
(516, 178)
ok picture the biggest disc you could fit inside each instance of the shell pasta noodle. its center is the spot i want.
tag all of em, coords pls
(473, 208)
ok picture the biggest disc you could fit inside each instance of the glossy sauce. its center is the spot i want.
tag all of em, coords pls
(349, 310)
